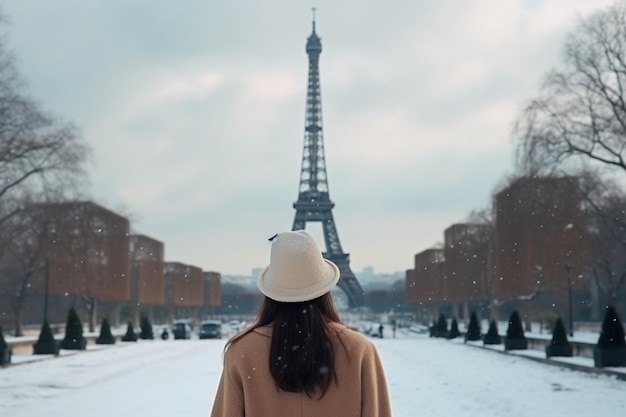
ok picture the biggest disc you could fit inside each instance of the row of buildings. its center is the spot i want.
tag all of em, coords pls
(84, 255)
(533, 256)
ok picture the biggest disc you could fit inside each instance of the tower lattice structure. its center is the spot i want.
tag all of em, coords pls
(314, 204)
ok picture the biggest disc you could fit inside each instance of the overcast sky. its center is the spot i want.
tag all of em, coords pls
(195, 112)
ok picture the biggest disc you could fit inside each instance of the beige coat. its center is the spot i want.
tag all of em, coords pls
(246, 387)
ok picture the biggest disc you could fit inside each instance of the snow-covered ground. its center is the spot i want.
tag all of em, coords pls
(427, 377)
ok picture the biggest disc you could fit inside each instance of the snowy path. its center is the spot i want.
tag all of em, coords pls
(427, 377)
(451, 379)
(147, 378)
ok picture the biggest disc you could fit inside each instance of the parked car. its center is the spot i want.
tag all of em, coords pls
(236, 325)
(181, 329)
(211, 329)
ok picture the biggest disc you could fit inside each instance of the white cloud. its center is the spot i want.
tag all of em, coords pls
(182, 88)
(197, 118)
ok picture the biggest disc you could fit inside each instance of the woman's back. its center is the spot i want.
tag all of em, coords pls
(247, 387)
(297, 359)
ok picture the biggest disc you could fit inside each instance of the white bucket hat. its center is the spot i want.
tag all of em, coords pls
(297, 270)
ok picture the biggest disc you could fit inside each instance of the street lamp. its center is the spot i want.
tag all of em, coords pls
(568, 276)
(50, 231)
(45, 299)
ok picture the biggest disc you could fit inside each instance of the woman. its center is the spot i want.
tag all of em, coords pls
(298, 359)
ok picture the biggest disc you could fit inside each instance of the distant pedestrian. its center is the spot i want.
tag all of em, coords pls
(298, 358)
(394, 329)
(380, 330)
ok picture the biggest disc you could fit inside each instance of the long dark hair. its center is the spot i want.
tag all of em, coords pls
(302, 356)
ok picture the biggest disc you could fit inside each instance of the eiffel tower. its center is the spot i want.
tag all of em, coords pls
(314, 204)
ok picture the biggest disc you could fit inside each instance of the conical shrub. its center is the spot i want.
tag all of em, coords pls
(442, 326)
(492, 337)
(515, 339)
(559, 345)
(432, 330)
(106, 337)
(130, 335)
(5, 350)
(453, 333)
(473, 328)
(46, 343)
(612, 334)
(3, 343)
(559, 336)
(146, 329)
(611, 347)
(515, 330)
(74, 339)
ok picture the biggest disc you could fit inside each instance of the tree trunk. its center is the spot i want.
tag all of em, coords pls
(136, 315)
(19, 308)
(92, 309)
(455, 310)
(466, 313)
(525, 311)
(115, 315)
(434, 312)
(495, 310)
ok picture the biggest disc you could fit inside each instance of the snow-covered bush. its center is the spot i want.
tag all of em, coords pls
(611, 347)
(559, 345)
(46, 343)
(453, 333)
(492, 337)
(106, 337)
(5, 350)
(146, 329)
(74, 339)
(515, 339)
(442, 326)
(473, 328)
(130, 335)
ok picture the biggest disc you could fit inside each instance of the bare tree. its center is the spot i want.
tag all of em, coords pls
(41, 157)
(579, 115)
(24, 258)
(481, 216)
(606, 207)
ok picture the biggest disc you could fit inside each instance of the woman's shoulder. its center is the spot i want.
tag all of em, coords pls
(353, 338)
(341, 328)
(249, 339)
